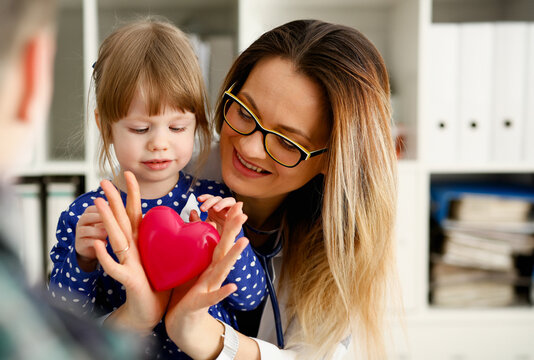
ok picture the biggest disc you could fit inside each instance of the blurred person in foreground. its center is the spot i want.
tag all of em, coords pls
(29, 327)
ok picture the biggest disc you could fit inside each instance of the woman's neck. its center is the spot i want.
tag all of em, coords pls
(263, 214)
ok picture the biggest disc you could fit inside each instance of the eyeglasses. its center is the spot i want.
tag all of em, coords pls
(280, 148)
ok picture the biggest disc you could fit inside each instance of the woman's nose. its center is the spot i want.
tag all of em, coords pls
(252, 145)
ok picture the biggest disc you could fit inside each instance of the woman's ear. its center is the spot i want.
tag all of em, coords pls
(324, 166)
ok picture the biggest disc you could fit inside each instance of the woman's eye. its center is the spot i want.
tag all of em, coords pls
(286, 144)
(244, 114)
(139, 131)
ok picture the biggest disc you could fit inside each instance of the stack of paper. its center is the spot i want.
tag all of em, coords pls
(484, 230)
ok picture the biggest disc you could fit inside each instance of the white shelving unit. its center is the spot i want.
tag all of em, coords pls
(401, 31)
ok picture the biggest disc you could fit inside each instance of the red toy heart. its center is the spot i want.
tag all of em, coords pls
(173, 252)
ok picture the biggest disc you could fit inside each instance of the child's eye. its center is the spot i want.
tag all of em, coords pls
(139, 131)
(177, 129)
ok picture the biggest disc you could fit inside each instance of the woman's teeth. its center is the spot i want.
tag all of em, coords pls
(247, 165)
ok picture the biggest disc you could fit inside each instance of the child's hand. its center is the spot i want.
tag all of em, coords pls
(89, 230)
(217, 208)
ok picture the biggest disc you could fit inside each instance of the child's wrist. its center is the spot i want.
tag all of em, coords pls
(86, 264)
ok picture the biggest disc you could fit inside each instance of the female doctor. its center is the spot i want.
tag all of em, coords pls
(305, 145)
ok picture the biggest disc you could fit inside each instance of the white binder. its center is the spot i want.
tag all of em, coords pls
(443, 122)
(528, 139)
(509, 91)
(475, 71)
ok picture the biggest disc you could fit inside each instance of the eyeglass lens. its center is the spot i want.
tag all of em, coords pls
(242, 121)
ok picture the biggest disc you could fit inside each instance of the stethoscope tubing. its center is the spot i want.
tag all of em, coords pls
(265, 260)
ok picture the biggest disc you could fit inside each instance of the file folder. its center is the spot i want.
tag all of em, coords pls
(443, 122)
(509, 91)
(475, 91)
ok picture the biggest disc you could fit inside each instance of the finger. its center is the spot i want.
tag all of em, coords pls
(209, 203)
(232, 226)
(222, 268)
(90, 209)
(217, 296)
(193, 216)
(110, 266)
(91, 232)
(224, 203)
(133, 202)
(117, 238)
(204, 197)
(117, 207)
(90, 218)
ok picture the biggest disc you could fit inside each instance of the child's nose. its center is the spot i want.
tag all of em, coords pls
(158, 141)
(252, 145)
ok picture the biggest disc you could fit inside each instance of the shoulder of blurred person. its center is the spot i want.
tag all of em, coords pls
(30, 327)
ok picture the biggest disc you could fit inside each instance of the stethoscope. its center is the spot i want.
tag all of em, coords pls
(265, 260)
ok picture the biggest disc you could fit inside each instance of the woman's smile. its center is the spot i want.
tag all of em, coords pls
(248, 165)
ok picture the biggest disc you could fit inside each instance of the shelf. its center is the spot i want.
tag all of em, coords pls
(453, 316)
(481, 169)
(55, 168)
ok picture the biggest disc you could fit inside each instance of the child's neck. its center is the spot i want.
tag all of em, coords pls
(148, 189)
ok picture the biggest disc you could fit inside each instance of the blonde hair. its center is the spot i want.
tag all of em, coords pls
(339, 249)
(154, 54)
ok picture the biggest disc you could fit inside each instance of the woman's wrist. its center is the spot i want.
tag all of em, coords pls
(122, 320)
(200, 338)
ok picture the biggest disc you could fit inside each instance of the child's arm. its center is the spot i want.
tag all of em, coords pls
(81, 291)
(69, 284)
(249, 276)
(247, 273)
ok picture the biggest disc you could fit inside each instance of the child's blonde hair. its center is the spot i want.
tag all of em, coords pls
(156, 55)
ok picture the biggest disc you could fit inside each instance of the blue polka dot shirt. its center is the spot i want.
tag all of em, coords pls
(96, 293)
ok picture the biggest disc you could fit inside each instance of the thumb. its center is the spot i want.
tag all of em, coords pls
(193, 216)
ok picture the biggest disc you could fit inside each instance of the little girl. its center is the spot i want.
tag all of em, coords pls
(150, 103)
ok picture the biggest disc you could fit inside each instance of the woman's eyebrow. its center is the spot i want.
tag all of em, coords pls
(286, 128)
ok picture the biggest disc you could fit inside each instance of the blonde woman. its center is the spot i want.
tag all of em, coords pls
(305, 144)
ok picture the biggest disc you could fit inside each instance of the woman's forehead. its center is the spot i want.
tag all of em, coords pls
(283, 97)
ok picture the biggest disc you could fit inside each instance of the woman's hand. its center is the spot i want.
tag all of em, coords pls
(217, 208)
(144, 307)
(187, 320)
(89, 230)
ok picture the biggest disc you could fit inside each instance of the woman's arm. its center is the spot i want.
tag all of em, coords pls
(144, 307)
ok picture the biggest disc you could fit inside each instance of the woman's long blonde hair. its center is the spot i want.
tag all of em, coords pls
(339, 252)
(156, 55)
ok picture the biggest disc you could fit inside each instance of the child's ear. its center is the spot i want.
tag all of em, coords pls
(97, 120)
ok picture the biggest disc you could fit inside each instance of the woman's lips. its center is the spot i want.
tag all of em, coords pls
(247, 168)
(157, 164)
